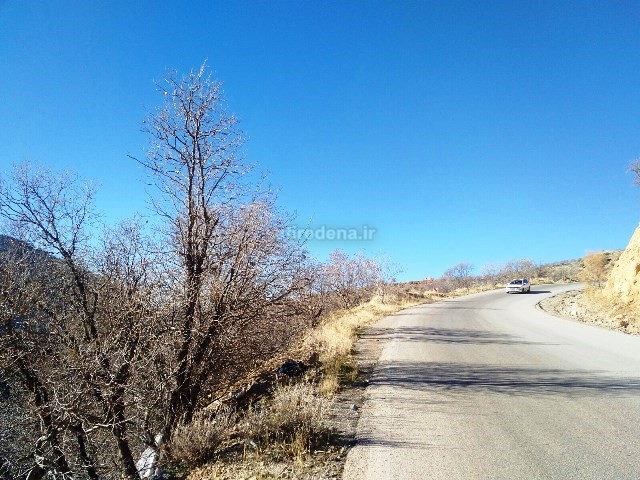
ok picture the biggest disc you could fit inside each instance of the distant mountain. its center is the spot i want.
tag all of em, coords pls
(7, 243)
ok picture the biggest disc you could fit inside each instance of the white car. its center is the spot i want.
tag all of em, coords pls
(518, 285)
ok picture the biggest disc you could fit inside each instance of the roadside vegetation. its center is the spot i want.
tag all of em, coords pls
(148, 348)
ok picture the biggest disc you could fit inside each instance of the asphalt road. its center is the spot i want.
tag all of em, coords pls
(489, 387)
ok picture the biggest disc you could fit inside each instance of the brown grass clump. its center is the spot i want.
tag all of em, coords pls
(289, 424)
(196, 442)
(329, 384)
(262, 466)
(294, 418)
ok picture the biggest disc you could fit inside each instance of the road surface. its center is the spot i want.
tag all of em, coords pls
(489, 387)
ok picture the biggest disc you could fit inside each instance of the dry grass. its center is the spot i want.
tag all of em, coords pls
(335, 338)
(294, 418)
(329, 384)
(196, 442)
(243, 469)
(267, 440)
(262, 466)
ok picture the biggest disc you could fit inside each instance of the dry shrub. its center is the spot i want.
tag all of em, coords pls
(594, 271)
(196, 442)
(294, 416)
(251, 467)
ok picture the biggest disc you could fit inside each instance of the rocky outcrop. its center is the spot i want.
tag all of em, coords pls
(623, 285)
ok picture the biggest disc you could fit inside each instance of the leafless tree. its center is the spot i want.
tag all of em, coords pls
(491, 273)
(343, 282)
(519, 268)
(112, 343)
(634, 168)
(460, 275)
(314, 298)
(228, 256)
(76, 327)
(352, 279)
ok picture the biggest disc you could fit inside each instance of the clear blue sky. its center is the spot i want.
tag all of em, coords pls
(460, 131)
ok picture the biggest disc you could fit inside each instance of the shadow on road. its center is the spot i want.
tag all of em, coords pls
(500, 379)
(378, 441)
(445, 306)
(447, 336)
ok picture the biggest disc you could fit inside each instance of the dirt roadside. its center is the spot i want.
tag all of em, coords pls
(576, 305)
(347, 404)
(343, 419)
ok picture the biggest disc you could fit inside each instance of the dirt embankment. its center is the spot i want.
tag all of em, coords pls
(580, 305)
(617, 305)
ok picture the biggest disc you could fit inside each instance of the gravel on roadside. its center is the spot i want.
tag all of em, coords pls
(575, 305)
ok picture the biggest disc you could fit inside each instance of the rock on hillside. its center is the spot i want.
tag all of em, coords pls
(623, 285)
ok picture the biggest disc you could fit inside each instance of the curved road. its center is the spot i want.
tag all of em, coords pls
(489, 387)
